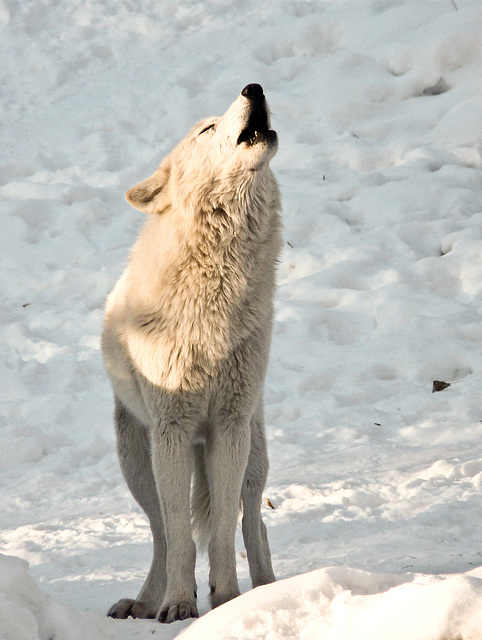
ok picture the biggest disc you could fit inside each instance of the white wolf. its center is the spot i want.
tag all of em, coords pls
(186, 342)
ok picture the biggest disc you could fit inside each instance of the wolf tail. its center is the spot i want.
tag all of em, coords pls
(200, 501)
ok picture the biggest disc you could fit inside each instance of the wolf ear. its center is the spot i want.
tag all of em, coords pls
(150, 195)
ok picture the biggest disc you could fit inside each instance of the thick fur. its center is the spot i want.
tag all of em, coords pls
(186, 343)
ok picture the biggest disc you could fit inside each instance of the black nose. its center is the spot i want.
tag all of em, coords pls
(252, 91)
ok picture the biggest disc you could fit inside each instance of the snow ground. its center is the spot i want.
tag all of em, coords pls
(375, 480)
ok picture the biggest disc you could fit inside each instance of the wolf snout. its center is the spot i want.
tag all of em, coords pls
(253, 91)
(257, 124)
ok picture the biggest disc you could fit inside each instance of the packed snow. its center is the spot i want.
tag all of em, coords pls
(373, 503)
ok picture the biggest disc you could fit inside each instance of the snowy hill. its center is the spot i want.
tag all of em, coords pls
(375, 480)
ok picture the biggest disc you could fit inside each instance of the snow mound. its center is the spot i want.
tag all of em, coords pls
(26, 613)
(348, 604)
(335, 603)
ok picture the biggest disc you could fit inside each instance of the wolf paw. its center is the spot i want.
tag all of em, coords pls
(128, 608)
(218, 598)
(172, 611)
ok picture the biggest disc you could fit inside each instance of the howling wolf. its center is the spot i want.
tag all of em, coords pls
(186, 344)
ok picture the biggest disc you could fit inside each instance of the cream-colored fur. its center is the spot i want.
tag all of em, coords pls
(186, 342)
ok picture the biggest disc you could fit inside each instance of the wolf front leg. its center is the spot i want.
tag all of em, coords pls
(172, 460)
(226, 454)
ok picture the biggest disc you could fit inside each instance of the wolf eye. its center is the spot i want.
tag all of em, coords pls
(211, 126)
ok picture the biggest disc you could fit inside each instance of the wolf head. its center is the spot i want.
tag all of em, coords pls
(220, 159)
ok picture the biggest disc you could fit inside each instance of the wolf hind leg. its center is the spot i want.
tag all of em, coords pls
(134, 450)
(200, 500)
(253, 527)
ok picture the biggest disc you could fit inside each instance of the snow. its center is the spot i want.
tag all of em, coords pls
(375, 480)
(349, 604)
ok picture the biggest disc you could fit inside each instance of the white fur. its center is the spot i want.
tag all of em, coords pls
(185, 343)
